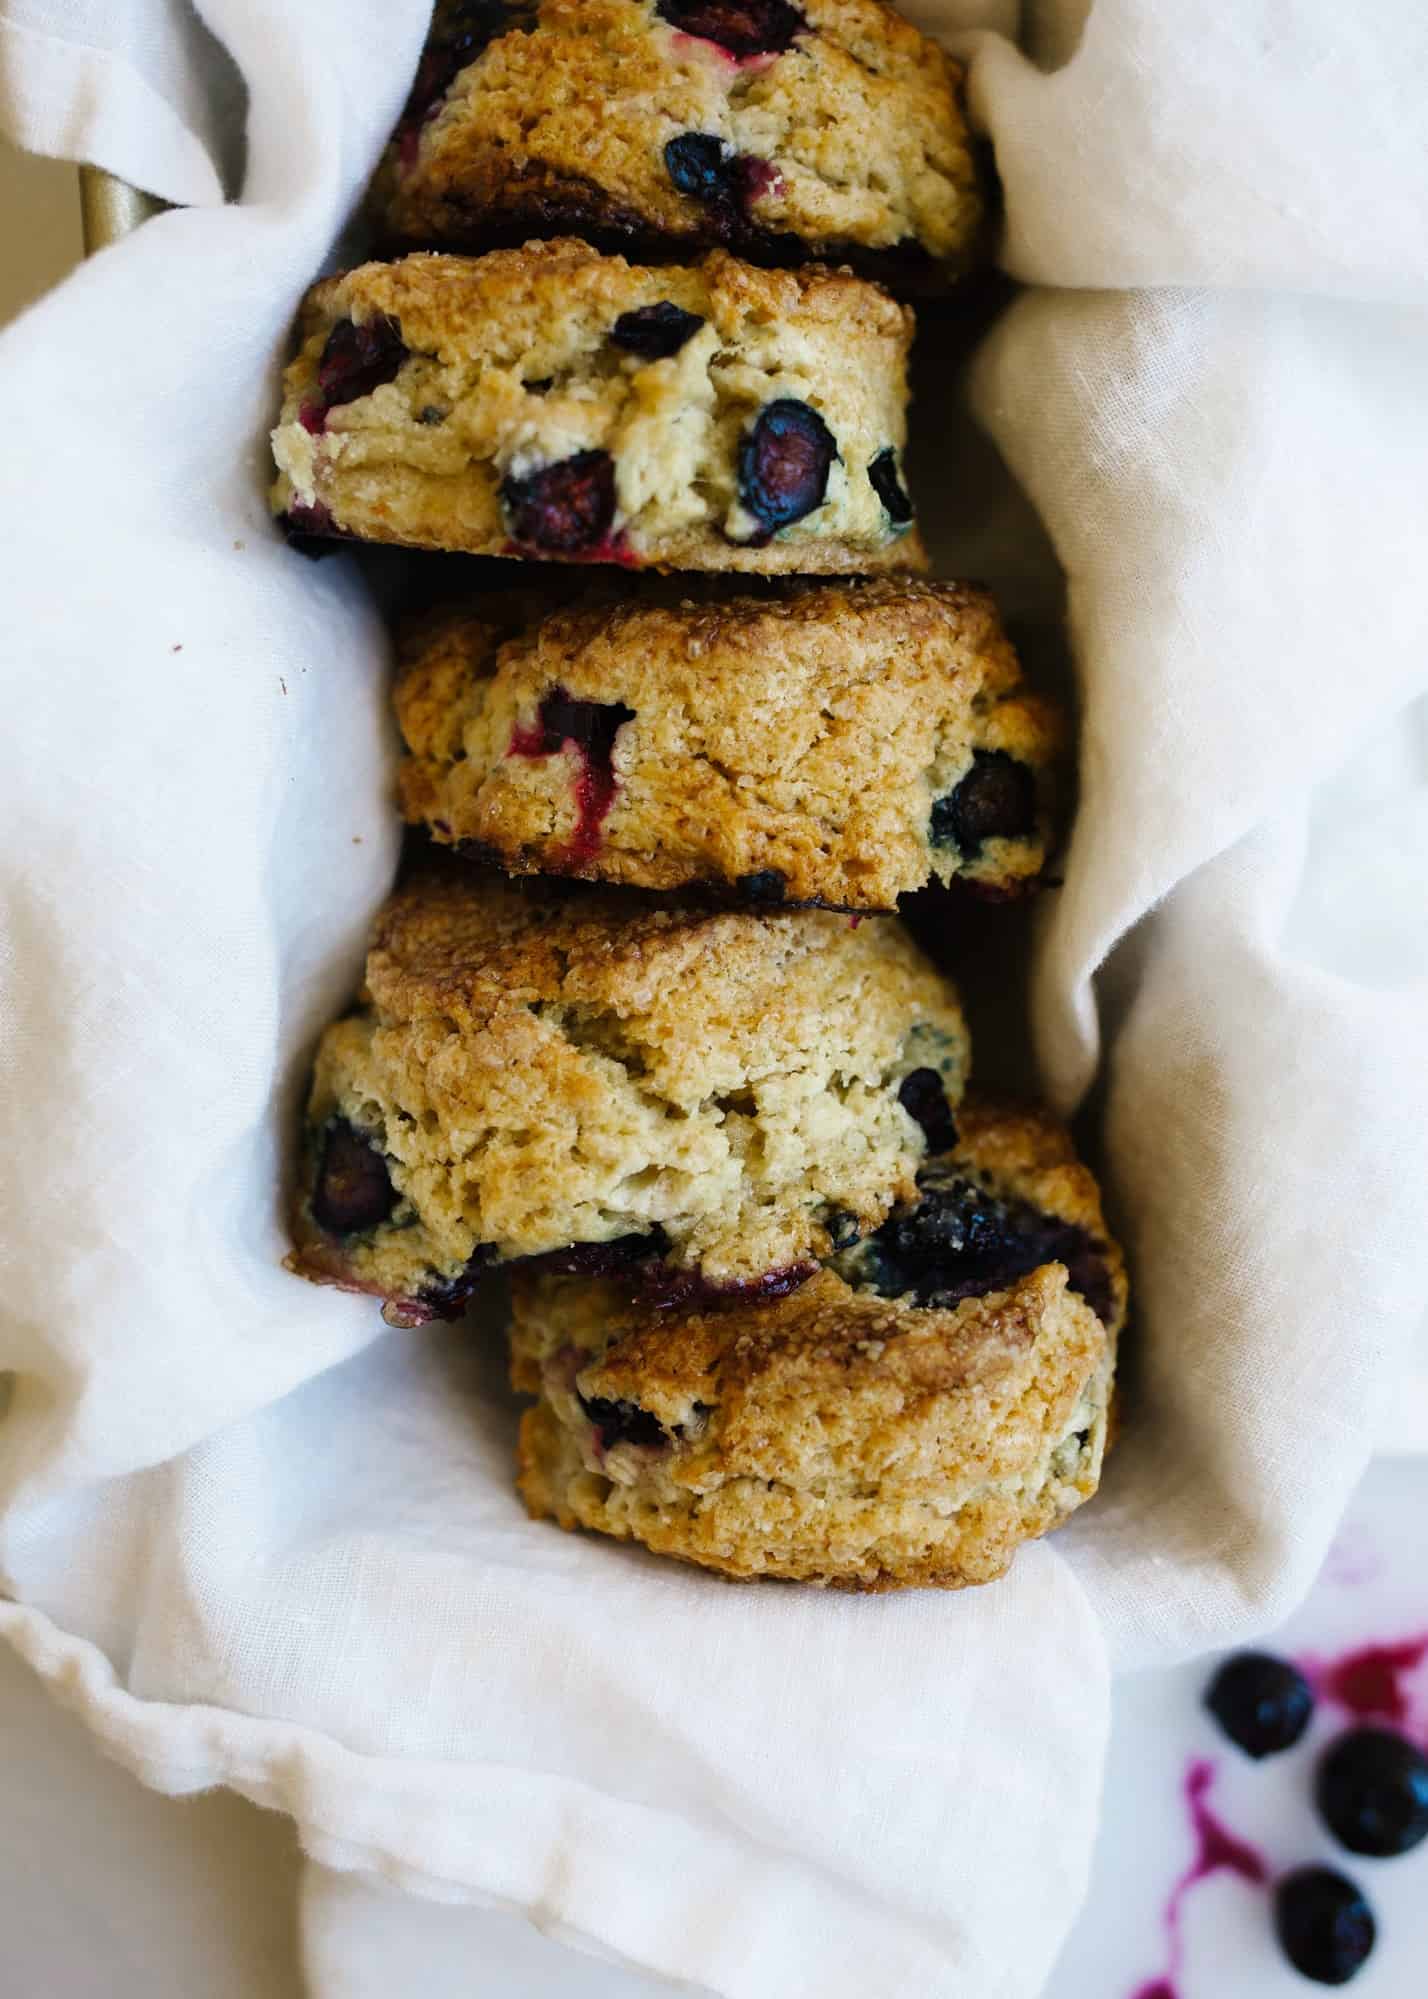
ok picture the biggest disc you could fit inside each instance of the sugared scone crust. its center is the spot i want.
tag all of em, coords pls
(910, 1415)
(841, 744)
(553, 403)
(827, 129)
(703, 1102)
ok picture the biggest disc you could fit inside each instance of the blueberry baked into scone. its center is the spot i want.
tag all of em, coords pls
(838, 743)
(826, 129)
(705, 1103)
(554, 403)
(638, 1026)
(938, 1393)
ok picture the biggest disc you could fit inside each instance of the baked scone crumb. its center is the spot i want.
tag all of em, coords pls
(839, 744)
(705, 1101)
(548, 402)
(878, 1427)
(830, 129)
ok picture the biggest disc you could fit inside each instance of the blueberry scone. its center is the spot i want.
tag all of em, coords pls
(836, 744)
(828, 129)
(549, 402)
(935, 1395)
(703, 1103)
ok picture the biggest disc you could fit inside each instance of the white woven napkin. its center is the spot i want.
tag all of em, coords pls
(244, 1562)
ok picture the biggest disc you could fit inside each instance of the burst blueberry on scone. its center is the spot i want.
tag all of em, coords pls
(552, 403)
(703, 1103)
(838, 743)
(827, 129)
(936, 1395)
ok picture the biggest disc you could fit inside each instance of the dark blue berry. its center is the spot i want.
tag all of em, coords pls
(564, 508)
(784, 461)
(352, 1191)
(591, 725)
(958, 1240)
(886, 483)
(655, 331)
(743, 27)
(700, 164)
(1262, 1703)
(843, 1229)
(448, 1297)
(617, 1258)
(1325, 1927)
(358, 359)
(622, 1423)
(924, 1098)
(460, 31)
(766, 886)
(996, 800)
(1372, 1792)
(310, 530)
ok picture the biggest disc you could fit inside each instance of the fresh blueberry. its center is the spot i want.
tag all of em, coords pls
(887, 484)
(1325, 1927)
(1262, 1703)
(958, 1240)
(565, 508)
(353, 1190)
(700, 164)
(924, 1098)
(996, 800)
(655, 331)
(622, 1423)
(767, 885)
(1372, 1792)
(743, 27)
(784, 461)
(358, 359)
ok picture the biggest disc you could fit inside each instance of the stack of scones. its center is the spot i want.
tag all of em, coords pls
(640, 1025)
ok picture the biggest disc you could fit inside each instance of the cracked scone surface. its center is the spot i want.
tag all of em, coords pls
(552, 403)
(829, 129)
(841, 1435)
(840, 744)
(690, 1097)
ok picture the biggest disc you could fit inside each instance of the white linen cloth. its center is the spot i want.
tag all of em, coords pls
(250, 1542)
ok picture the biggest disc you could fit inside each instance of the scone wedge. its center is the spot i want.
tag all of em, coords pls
(703, 1102)
(828, 129)
(935, 1396)
(837, 744)
(554, 404)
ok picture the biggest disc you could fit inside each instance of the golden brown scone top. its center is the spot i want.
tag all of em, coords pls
(490, 308)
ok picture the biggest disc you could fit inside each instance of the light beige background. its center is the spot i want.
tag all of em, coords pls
(39, 226)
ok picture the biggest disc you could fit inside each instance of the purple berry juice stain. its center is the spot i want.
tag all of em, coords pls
(1217, 1851)
(589, 729)
(1372, 1683)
